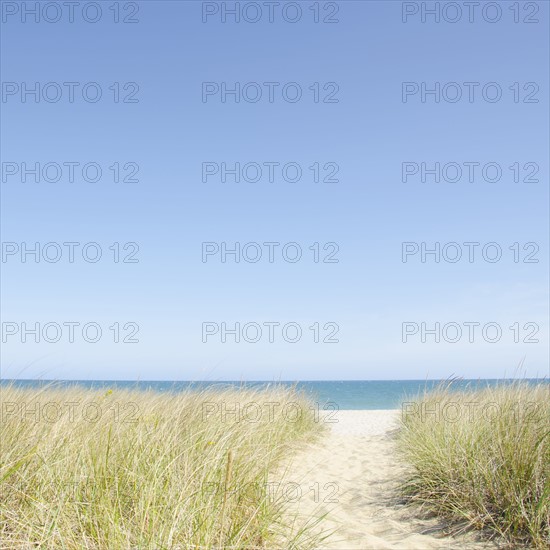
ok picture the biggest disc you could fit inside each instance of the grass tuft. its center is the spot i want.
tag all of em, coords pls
(82, 468)
(481, 458)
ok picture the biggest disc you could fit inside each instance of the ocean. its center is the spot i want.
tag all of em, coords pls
(332, 394)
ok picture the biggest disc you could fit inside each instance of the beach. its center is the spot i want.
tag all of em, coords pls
(350, 476)
(264, 468)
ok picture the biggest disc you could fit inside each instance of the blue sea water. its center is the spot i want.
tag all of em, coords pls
(341, 394)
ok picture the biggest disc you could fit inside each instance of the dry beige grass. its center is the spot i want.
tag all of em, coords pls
(92, 469)
(482, 458)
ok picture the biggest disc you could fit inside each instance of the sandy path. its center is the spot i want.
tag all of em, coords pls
(350, 476)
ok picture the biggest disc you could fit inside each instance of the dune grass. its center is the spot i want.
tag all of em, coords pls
(482, 458)
(83, 468)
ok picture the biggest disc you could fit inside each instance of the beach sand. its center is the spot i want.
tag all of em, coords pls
(351, 475)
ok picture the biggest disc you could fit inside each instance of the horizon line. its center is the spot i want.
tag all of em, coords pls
(270, 380)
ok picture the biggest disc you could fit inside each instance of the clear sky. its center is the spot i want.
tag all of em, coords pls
(373, 297)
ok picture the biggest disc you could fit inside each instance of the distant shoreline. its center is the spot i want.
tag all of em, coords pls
(325, 394)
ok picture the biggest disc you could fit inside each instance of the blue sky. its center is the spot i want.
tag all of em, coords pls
(368, 133)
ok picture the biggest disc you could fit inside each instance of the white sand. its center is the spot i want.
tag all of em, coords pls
(356, 464)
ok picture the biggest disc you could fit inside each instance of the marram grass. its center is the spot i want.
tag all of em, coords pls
(83, 468)
(482, 458)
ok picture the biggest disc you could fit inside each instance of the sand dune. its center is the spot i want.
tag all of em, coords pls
(350, 475)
